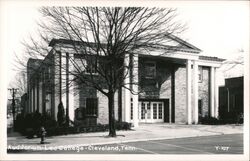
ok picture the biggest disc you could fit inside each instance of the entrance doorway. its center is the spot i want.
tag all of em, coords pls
(153, 111)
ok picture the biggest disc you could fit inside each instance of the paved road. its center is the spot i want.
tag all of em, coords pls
(218, 144)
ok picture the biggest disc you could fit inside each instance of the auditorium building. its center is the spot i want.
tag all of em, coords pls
(177, 87)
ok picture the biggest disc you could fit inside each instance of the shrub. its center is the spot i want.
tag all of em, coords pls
(122, 125)
(60, 114)
(19, 122)
(209, 121)
(48, 121)
(240, 118)
(30, 124)
(85, 129)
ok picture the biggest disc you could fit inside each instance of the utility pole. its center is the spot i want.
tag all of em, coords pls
(13, 91)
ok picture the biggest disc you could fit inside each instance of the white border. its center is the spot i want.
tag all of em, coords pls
(148, 3)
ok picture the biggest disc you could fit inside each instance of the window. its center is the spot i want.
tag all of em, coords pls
(143, 111)
(200, 74)
(154, 111)
(150, 69)
(160, 111)
(91, 65)
(148, 111)
(92, 106)
(79, 113)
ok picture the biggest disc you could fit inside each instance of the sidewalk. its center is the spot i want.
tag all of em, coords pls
(142, 133)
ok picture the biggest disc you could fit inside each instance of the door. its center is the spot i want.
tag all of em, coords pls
(150, 112)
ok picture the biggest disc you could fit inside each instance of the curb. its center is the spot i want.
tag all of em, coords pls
(138, 140)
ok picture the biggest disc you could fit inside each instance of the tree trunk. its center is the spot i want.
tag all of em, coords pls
(112, 132)
(120, 104)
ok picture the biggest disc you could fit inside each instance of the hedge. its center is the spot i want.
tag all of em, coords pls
(30, 124)
(86, 129)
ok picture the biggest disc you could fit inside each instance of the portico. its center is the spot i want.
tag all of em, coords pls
(133, 108)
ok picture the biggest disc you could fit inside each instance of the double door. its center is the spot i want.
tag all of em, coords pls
(150, 112)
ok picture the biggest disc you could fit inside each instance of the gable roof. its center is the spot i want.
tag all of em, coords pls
(184, 44)
(172, 43)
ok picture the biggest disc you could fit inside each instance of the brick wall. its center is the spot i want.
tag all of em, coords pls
(85, 92)
(204, 91)
(180, 95)
(103, 115)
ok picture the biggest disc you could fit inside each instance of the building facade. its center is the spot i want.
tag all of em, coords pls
(231, 99)
(177, 87)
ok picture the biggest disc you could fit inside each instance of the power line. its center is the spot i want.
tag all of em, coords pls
(13, 91)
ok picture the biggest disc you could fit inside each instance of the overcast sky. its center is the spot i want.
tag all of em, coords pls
(217, 28)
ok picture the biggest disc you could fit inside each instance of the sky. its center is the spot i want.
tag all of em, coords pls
(218, 28)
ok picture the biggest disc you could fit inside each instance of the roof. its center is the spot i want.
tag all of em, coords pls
(182, 45)
(67, 41)
(211, 58)
(185, 43)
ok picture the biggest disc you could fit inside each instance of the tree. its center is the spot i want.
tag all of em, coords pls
(60, 114)
(106, 36)
(233, 66)
(19, 82)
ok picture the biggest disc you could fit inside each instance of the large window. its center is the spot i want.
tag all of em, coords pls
(150, 69)
(92, 106)
(91, 65)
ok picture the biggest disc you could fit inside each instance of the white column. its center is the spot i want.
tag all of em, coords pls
(195, 92)
(48, 102)
(127, 96)
(212, 92)
(71, 89)
(135, 90)
(216, 96)
(35, 97)
(57, 84)
(31, 99)
(188, 92)
(40, 97)
(63, 79)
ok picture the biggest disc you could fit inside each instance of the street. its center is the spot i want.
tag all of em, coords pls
(216, 144)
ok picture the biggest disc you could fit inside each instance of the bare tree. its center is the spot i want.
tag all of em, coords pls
(234, 65)
(20, 82)
(104, 37)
